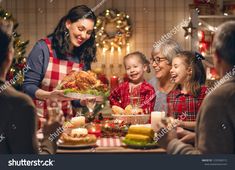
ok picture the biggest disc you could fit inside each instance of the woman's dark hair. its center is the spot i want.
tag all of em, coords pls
(142, 58)
(60, 41)
(5, 39)
(198, 78)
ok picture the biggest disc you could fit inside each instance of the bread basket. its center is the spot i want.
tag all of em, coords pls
(133, 119)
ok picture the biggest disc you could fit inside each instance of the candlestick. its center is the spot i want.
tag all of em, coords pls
(104, 55)
(111, 55)
(103, 68)
(119, 55)
(120, 69)
(127, 48)
(113, 82)
(155, 118)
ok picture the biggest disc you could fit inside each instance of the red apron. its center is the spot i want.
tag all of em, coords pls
(56, 71)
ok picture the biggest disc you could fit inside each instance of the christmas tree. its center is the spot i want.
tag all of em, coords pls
(19, 61)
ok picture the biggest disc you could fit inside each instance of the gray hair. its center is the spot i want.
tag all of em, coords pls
(168, 49)
(224, 42)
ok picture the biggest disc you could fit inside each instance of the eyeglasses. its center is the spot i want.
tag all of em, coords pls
(156, 60)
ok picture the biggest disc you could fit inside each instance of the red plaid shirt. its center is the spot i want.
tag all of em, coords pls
(184, 106)
(120, 96)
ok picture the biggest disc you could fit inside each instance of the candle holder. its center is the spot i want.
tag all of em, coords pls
(103, 68)
(120, 69)
(111, 67)
(94, 129)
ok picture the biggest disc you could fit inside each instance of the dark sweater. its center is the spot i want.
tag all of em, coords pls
(18, 124)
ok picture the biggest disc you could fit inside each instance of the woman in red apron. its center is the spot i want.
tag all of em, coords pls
(70, 47)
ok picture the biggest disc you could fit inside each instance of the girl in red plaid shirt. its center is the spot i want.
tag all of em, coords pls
(135, 64)
(184, 102)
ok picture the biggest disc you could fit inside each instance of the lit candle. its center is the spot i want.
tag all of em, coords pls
(119, 55)
(113, 82)
(127, 48)
(106, 125)
(95, 131)
(104, 55)
(155, 118)
(111, 55)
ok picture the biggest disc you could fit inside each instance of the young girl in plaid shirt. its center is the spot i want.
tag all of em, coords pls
(135, 64)
(184, 102)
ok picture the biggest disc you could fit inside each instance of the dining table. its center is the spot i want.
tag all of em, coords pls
(110, 145)
(104, 144)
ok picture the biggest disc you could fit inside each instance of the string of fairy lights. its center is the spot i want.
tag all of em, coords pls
(19, 61)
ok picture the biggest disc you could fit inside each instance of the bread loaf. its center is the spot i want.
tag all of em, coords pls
(118, 110)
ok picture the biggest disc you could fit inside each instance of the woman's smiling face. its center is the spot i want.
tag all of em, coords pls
(161, 65)
(80, 31)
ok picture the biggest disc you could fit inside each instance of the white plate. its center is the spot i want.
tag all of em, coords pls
(149, 146)
(62, 145)
(78, 95)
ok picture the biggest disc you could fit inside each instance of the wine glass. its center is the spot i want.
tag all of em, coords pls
(40, 114)
(78, 111)
(135, 98)
(90, 104)
(53, 110)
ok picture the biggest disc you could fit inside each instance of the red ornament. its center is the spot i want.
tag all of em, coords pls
(21, 65)
(204, 46)
(201, 35)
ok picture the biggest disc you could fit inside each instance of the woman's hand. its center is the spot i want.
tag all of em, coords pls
(52, 95)
(59, 95)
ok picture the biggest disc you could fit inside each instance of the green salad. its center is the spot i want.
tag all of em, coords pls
(138, 143)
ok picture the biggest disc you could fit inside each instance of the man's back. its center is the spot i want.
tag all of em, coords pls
(17, 122)
(216, 122)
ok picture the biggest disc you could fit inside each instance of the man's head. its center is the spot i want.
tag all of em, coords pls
(224, 46)
(6, 46)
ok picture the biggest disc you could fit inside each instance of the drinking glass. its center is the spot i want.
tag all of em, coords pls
(90, 104)
(53, 110)
(135, 98)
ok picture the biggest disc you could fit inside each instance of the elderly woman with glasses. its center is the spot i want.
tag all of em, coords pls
(161, 59)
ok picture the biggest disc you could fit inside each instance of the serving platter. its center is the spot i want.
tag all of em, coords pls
(75, 95)
(70, 146)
